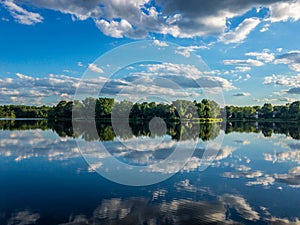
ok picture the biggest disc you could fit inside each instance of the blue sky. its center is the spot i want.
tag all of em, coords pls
(251, 48)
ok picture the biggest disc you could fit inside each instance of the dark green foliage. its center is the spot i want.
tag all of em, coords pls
(22, 111)
(178, 131)
(267, 111)
(291, 129)
(102, 108)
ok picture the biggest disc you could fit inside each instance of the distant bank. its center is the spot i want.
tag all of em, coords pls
(104, 108)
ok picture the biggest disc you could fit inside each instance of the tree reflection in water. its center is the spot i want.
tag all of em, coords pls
(178, 131)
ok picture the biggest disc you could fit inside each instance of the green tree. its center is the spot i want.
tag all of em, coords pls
(266, 111)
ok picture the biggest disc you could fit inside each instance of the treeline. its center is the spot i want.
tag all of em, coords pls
(267, 111)
(23, 111)
(104, 108)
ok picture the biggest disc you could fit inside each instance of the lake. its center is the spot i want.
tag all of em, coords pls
(235, 173)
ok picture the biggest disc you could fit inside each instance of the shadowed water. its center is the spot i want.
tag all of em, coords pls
(253, 178)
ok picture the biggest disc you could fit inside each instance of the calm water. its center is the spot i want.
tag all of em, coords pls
(254, 178)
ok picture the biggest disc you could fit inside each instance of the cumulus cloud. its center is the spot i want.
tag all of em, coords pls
(22, 145)
(287, 99)
(292, 178)
(178, 76)
(265, 55)
(185, 185)
(241, 206)
(80, 64)
(24, 89)
(283, 11)
(265, 28)
(247, 174)
(180, 211)
(283, 221)
(225, 152)
(279, 49)
(160, 43)
(288, 156)
(294, 91)
(241, 94)
(287, 81)
(264, 181)
(240, 33)
(114, 28)
(165, 79)
(186, 51)
(242, 68)
(242, 142)
(241, 62)
(138, 18)
(292, 59)
(23, 218)
(95, 68)
(21, 15)
(161, 69)
(216, 82)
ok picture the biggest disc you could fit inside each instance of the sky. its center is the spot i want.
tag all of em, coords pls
(245, 52)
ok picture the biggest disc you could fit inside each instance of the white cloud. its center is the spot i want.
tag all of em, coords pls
(279, 49)
(95, 68)
(25, 77)
(186, 51)
(174, 69)
(80, 64)
(242, 68)
(215, 82)
(288, 81)
(283, 11)
(288, 156)
(292, 59)
(243, 167)
(265, 181)
(160, 43)
(247, 174)
(291, 179)
(22, 145)
(170, 80)
(181, 76)
(241, 94)
(216, 211)
(159, 193)
(114, 28)
(241, 206)
(24, 89)
(22, 15)
(295, 170)
(240, 33)
(241, 62)
(23, 218)
(225, 152)
(248, 76)
(294, 90)
(265, 28)
(242, 142)
(265, 55)
(286, 99)
(138, 18)
(283, 221)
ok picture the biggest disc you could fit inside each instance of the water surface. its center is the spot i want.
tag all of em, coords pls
(254, 178)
